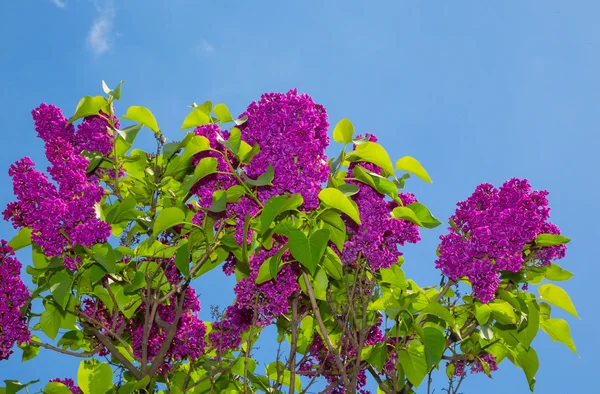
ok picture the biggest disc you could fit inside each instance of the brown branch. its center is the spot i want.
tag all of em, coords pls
(64, 351)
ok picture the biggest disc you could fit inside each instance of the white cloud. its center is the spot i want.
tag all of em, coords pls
(99, 37)
(59, 3)
(205, 46)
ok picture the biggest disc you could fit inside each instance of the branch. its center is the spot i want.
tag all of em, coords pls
(64, 351)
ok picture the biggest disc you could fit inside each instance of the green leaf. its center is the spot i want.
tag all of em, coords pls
(395, 276)
(205, 167)
(343, 131)
(182, 260)
(13, 386)
(223, 113)
(374, 153)
(333, 264)
(503, 312)
(196, 117)
(21, 240)
(94, 377)
(56, 388)
(405, 213)
(532, 323)
(277, 205)
(559, 331)
(60, 287)
(142, 115)
(376, 181)
(167, 218)
(551, 240)
(219, 201)
(320, 284)
(88, 106)
(556, 273)
(410, 164)
(263, 180)
(105, 255)
(264, 272)
(438, 310)
(30, 351)
(50, 321)
(234, 193)
(424, 216)
(414, 362)
(558, 297)
(308, 251)
(435, 344)
(482, 313)
(349, 189)
(336, 199)
(528, 360)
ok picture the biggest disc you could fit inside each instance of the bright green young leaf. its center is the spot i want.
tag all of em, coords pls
(349, 189)
(532, 323)
(372, 152)
(14, 386)
(56, 388)
(425, 217)
(21, 240)
(320, 285)
(336, 199)
(405, 213)
(167, 218)
(94, 377)
(195, 118)
(528, 361)
(503, 312)
(223, 113)
(410, 164)
(264, 179)
(88, 106)
(31, 350)
(308, 251)
(559, 331)
(142, 115)
(414, 362)
(558, 297)
(264, 273)
(435, 344)
(556, 273)
(395, 276)
(182, 260)
(205, 167)
(336, 226)
(50, 321)
(438, 310)
(333, 264)
(60, 287)
(105, 255)
(343, 131)
(551, 240)
(219, 201)
(277, 205)
(482, 313)
(376, 181)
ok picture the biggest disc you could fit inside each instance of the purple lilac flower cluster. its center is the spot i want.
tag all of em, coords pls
(377, 238)
(70, 385)
(291, 131)
(13, 297)
(256, 303)
(61, 214)
(476, 365)
(492, 228)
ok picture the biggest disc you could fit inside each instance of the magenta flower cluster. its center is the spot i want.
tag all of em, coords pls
(378, 236)
(476, 365)
(61, 214)
(492, 228)
(13, 297)
(70, 385)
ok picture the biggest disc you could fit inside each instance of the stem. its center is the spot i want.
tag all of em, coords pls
(64, 351)
(328, 342)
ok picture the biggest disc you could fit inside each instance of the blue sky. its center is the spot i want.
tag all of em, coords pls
(477, 91)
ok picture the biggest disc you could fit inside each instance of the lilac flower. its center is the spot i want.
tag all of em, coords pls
(60, 214)
(492, 228)
(13, 296)
(291, 131)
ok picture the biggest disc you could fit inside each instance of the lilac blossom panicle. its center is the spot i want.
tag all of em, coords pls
(475, 365)
(377, 238)
(13, 296)
(492, 228)
(291, 132)
(70, 385)
(61, 214)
